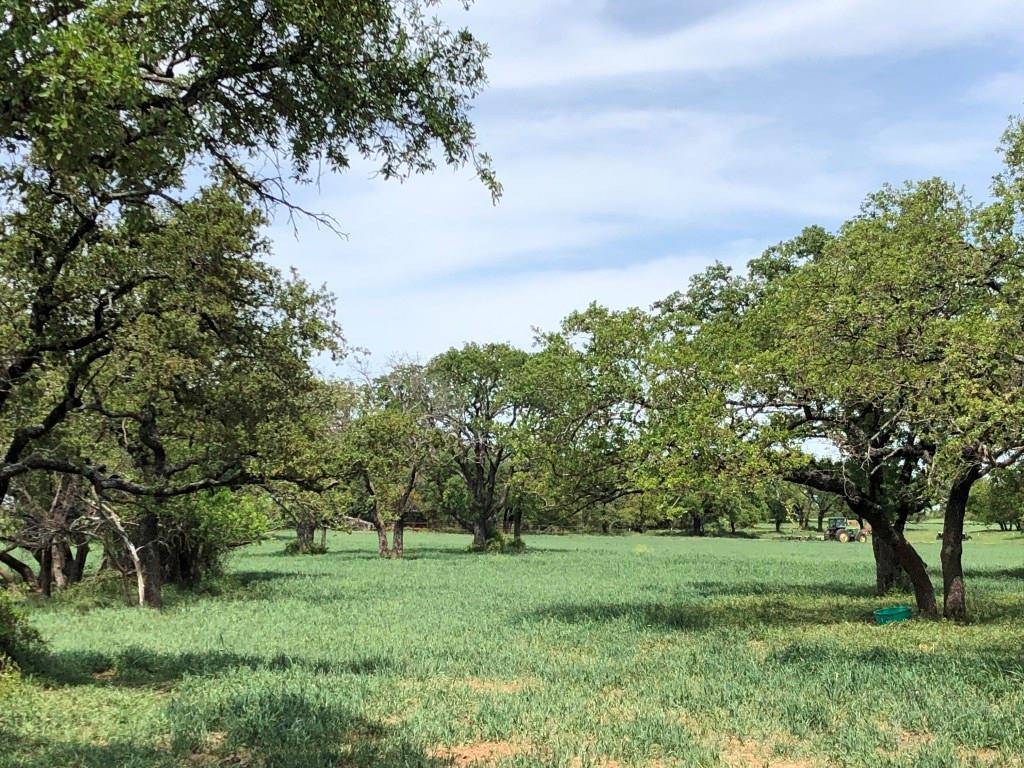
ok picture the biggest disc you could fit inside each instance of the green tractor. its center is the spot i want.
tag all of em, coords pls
(842, 530)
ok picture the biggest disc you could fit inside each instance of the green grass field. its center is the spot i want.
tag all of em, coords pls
(585, 651)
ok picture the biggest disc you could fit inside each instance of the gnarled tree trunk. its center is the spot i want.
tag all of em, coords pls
(20, 568)
(45, 557)
(398, 537)
(483, 531)
(954, 604)
(149, 560)
(304, 532)
(888, 572)
(383, 549)
(909, 560)
(60, 561)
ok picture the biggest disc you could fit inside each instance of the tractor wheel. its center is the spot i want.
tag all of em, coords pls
(862, 537)
(843, 537)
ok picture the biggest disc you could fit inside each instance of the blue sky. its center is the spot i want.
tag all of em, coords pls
(640, 140)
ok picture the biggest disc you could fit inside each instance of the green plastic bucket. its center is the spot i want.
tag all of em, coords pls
(893, 613)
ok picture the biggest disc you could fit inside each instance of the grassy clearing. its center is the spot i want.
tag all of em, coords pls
(586, 651)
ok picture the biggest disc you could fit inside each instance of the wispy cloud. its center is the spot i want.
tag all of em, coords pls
(575, 183)
(430, 320)
(634, 154)
(757, 34)
(1003, 89)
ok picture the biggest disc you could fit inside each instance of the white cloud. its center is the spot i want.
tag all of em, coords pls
(572, 45)
(602, 196)
(1004, 90)
(573, 183)
(934, 148)
(509, 308)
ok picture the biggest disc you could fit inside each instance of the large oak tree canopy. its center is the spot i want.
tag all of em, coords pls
(134, 136)
(119, 97)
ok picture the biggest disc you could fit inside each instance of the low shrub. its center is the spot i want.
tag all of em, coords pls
(499, 544)
(296, 547)
(19, 641)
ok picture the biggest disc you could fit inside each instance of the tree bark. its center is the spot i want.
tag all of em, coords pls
(398, 538)
(909, 560)
(696, 524)
(888, 572)
(60, 562)
(46, 570)
(149, 560)
(20, 568)
(483, 531)
(954, 605)
(304, 532)
(78, 564)
(517, 528)
(382, 538)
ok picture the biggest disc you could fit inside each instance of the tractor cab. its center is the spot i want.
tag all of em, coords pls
(843, 530)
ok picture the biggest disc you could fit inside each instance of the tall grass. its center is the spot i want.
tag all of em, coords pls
(585, 651)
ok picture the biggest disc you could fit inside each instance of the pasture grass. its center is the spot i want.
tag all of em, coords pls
(584, 652)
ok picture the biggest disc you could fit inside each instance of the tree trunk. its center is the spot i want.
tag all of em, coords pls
(517, 528)
(22, 569)
(483, 531)
(909, 560)
(46, 570)
(382, 539)
(149, 560)
(81, 555)
(888, 572)
(304, 532)
(954, 592)
(60, 562)
(398, 538)
(696, 524)
(821, 519)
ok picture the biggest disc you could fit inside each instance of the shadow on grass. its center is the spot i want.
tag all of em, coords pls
(283, 729)
(769, 610)
(139, 667)
(438, 553)
(974, 664)
(682, 533)
(749, 588)
(750, 605)
(994, 573)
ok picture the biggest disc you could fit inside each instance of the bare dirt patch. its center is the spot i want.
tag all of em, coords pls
(479, 753)
(212, 753)
(597, 762)
(986, 756)
(487, 685)
(737, 753)
(914, 739)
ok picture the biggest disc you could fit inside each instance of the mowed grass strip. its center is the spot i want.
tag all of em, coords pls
(585, 651)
